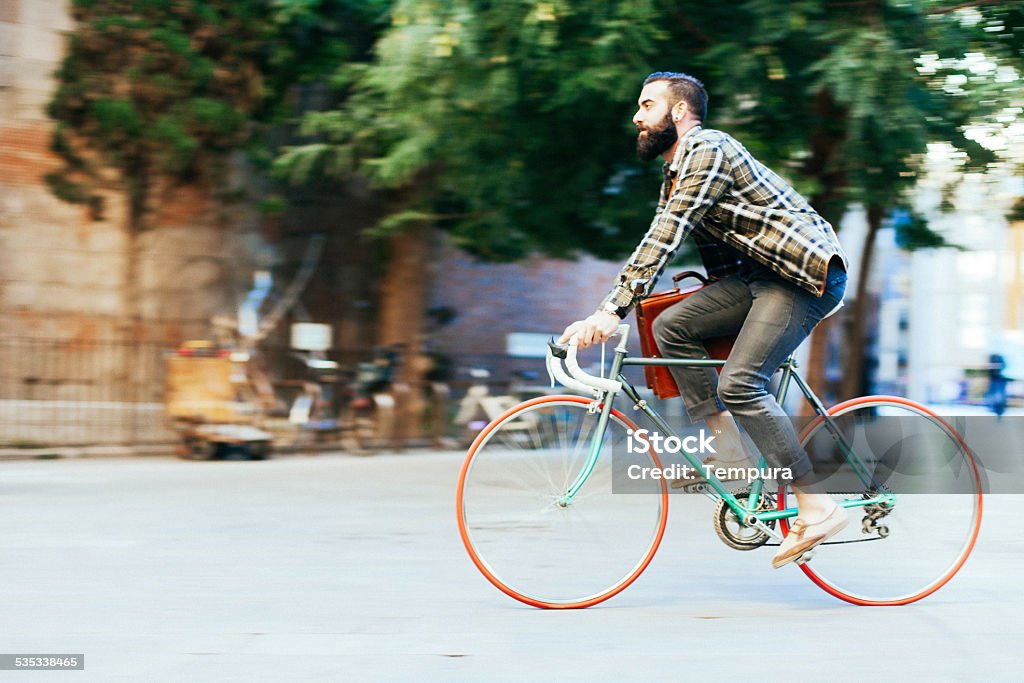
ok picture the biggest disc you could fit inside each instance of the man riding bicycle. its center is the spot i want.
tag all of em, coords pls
(779, 271)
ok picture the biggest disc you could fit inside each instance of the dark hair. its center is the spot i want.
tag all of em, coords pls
(686, 88)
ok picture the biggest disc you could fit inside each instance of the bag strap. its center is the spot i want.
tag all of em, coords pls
(690, 273)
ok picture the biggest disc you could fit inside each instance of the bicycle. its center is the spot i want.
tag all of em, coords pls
(540, 516)
(479, 406)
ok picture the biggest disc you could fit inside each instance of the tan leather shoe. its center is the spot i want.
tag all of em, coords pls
(803, 536)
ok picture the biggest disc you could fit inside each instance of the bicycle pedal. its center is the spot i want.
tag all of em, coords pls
(806, 557)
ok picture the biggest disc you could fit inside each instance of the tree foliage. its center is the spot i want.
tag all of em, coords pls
(505, 123)
(508, 123)
(846, 96)
(162, 89)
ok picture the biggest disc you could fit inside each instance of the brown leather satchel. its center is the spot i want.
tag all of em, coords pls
(659, 379)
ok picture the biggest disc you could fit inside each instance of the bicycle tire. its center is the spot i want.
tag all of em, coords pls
(522, 541)
(928, 536)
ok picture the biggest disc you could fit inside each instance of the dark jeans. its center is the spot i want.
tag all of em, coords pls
(771, 318)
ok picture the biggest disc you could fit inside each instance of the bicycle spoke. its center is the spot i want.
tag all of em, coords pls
(533, 548)
(924, 538)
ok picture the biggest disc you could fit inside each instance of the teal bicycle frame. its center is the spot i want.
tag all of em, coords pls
(878, 494)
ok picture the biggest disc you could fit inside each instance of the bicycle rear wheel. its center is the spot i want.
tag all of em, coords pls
(528, 545)
(897, 555)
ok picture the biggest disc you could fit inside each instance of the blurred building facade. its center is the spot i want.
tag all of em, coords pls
(487, 302)
(941, 313)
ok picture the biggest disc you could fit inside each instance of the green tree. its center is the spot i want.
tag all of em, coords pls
(154, 94)
(507, 125)
(474, 109)
(491, 121)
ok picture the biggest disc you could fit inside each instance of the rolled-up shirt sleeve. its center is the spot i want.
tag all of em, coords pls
(704, 176)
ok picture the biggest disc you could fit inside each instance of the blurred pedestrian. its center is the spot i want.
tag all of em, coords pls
(995, 395)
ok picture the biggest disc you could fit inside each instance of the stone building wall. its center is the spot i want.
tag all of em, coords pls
(58, 269)
(62, 274)
(68, 334)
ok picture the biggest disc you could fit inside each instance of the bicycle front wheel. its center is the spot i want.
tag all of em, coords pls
(514, 520)
(899, 554)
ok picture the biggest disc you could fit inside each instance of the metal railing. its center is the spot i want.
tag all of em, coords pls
(74, 392)
(81, 392)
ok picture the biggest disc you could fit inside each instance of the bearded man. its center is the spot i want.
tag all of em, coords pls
(778, 270)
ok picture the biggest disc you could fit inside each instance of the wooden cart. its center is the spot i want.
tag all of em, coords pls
(211, 405)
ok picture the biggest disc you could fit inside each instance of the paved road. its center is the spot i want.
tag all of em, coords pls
(341, 568)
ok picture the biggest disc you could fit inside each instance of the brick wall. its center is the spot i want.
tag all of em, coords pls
(539, 296)
(63, 274)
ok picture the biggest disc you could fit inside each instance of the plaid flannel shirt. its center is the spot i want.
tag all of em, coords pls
(735, 208)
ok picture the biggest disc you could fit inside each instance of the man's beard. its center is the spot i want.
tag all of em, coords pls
(657, 141)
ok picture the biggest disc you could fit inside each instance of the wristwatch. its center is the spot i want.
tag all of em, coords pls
(610, 307)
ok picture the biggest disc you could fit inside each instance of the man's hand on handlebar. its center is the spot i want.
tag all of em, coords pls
(595, 329)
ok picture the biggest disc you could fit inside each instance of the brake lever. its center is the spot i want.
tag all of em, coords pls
(558, 350)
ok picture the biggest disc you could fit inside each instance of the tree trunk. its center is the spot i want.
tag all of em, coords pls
(853, 382)
(814, 373)
(825, 141)
(402, 316)
(403, 291)
(137, 191)
(134, 225)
